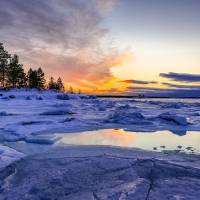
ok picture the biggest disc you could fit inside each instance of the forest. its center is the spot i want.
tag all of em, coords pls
(13, 75)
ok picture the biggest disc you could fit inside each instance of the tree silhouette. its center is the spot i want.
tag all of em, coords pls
(36, 78)
(4, 56)
(71, 90)
(60, 85)
(40, 79)
(12, 74)
(32, 78)
(15, 73)
(51, 84)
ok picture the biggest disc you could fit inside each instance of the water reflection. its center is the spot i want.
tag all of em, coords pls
(160, 140)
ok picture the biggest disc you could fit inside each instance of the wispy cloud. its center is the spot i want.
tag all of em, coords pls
(195, 87)
(140, 82)
(164, 92)
(181, 77)
(66, 37)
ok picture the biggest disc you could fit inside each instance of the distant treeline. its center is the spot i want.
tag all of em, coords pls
(12, 75)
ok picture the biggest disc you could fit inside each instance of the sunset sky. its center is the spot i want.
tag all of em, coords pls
(108, 46)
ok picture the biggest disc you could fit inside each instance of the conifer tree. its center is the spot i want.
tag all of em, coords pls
(32, 78)
(51, 84)
(15, 73)
(71, 90)
(40, 79)
(60, 85)
(4, 56)
(12, 74)
(22, 80)
(36, 78)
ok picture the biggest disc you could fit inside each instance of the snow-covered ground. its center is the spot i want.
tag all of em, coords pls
(28, 113)
(30, 122)
(94, 173)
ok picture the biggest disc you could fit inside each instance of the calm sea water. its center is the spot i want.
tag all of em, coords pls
(157, 141)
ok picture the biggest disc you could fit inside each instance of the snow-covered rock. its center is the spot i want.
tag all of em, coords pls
(125, 117)
(176, 105)
(4, 113)
(57, 112)
(40, 139)
(179, 120)
(101, 173)
(8, 155)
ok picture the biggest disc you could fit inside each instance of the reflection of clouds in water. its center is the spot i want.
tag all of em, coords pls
(101, 137)
(123, 138)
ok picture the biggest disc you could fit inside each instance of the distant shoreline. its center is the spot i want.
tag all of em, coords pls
(135, 97)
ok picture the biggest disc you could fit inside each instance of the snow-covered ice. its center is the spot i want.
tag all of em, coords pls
(102, 173)
(8, 155)
(30, 120)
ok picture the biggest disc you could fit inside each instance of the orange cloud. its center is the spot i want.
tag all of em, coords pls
(67, 39)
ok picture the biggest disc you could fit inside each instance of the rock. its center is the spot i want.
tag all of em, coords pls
(176, 105)
(8, 156)
(124, 117)
(125, 106)
(107, 174)
(179, 120)
(62, 97)
(12, 96)
(4, 113)
(57, 112)
(27, 123)
(69, 119)
(28, 98)
(39, 98)
(5, 98)
(41, 139)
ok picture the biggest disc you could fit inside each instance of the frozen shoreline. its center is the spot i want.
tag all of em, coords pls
(102, 173)
(25, 114)
(29, 118)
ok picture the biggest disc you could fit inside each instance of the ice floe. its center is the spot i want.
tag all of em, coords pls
(8, 155)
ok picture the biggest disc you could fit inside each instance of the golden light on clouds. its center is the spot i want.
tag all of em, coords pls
(100, 78)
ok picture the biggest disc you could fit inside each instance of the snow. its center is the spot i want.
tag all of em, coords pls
(101, 173)
(122, 117)
(8, 155)
(29, 120)
(179, 120)
(57, 112)
(20, 117)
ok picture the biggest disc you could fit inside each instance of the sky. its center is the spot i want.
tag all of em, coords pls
(108, 46)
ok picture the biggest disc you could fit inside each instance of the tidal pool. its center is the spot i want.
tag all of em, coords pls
(158, 141)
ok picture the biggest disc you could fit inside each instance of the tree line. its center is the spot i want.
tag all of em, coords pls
(13, 75)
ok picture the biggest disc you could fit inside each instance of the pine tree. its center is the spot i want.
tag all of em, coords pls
(51, 84)
(60, 85)
(41, 79)
(36, 79)
(32, 78)
(22, 80)
(4, 56)
(71, 90)
(15, 73)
